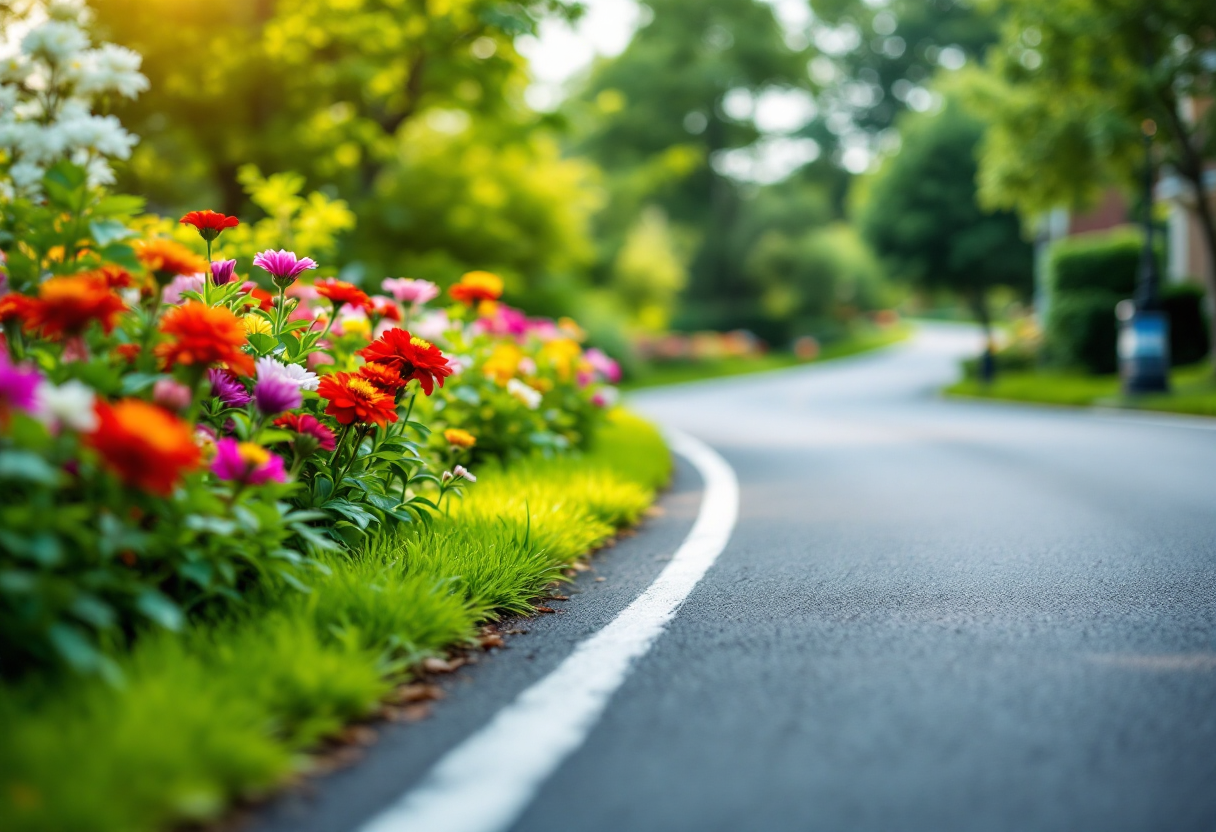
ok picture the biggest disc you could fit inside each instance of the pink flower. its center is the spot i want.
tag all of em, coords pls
(246, 463)
(505, 321)
(171, 395)
(18, 388)
(407, 290)
(309, 429)
(605, 397)
(602, 364)
(283, 266)
(223, 271)
(172, 293)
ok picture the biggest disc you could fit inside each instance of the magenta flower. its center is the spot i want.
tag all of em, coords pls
(309, 431)
(275, 394)
(227, 388)
(222, 271)
(246, 463)
(172, 293)
(18, 388)
(602, 364)
(407, 290)
(283, 266)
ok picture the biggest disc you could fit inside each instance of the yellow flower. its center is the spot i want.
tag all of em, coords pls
(503, 363)
(562, 354)
(256, 325)
(458, 438)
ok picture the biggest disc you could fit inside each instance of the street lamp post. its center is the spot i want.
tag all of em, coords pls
(1144, 327)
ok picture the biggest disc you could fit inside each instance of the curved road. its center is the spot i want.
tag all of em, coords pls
(932, 615)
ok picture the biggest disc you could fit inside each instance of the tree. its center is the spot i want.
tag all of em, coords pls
(1070, 87)
(923, 217)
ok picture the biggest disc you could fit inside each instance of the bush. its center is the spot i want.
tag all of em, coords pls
(1082, 330)
(1189, 339)
(1096, 262)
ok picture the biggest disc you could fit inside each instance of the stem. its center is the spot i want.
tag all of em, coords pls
(207, 276)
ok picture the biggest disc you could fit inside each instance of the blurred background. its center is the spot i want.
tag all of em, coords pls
(709, 181)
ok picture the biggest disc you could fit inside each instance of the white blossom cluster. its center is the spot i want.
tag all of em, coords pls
(49, 86)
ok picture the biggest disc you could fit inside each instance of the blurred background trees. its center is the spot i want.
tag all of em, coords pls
(785, 166)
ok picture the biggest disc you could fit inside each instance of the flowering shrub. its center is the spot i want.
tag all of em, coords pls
(177, 426)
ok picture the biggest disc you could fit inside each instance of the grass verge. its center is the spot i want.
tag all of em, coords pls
(229, 708)
(1194, 390)
(683, 371)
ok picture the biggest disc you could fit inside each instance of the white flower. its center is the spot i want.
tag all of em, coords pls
(68, 405)
(100, 173)
(530, 397)
(297, 375)
(460, 471)
(69, 10)
(14, 69)
(26, 175)
(103, 134)
(112, 69)
(55, 41)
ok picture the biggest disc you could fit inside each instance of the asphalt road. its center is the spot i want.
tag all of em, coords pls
(932, 615)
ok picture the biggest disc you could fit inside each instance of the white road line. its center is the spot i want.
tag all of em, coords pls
(486, 782)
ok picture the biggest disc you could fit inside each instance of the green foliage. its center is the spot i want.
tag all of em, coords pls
(1189, 332)
(218, 712)
(923, 218)
(1096, 262)
(650, 271)
(1082, 331)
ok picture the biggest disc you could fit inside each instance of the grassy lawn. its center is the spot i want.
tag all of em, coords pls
(677, 372)
(230, 709)
(1194, 390)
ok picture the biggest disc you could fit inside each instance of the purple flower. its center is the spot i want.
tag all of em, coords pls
(227, 388)
(18, 388)
(246, 463)
(222, 271)
(275, 394)
(284, 267)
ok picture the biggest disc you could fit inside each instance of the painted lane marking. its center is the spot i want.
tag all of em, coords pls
(485, 783)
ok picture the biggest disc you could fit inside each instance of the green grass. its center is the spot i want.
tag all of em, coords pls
(678, 372)
(1194, 390)
(227, 709)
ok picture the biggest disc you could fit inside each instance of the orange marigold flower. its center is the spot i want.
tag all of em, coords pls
(147, 446)
(116, 277)
(209, 224)
(475, 287)
(166, 258)
(66, 305)
(340, 292)
(459, 438)
(383, 376)
(204, 335)
(411, 357)
(355, 399)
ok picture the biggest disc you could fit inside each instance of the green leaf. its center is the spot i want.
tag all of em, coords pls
(119, 205)
(120, 254)
(106, 232)
(359, 516)
(262, 344)
(74, 647)
(23, 465)
(135, 382)
(160, 609)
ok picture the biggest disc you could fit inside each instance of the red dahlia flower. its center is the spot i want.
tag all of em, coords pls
(210, 224)
(355, 399)
(383, 376)
(411, 357)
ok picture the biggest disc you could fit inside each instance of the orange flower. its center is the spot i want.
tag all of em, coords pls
(355, 399)
(128, 352)
(66, 305)
(166, 258)
(340, 292)
(459, 438)
(16, 306)
(475, 287)
(116, 277)
(147, 446)
(204, 335)
(411, 357)
(383, 377)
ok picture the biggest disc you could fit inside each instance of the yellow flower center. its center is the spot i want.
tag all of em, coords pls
(363, 387)
(421, 343)
(253, 455)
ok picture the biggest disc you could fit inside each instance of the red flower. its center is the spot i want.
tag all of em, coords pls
(128, 352)
(265, 299)
(411, 357)
(147, 446)
(385, 308)
(16, 306)
(340, 292)
(477, 286)
(383, 376)
(66, 305)
(204, 335)
(209, 224)
(355, 399)
(116, 277)
(306, 425)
